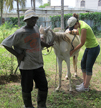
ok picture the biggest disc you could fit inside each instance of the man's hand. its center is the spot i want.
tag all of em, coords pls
(21, 56)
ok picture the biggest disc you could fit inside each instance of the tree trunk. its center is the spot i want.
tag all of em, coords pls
(1, 9)
(34, 4)
(1, 16)
(18, 13)
(62, 15)
(49, 1)
(31, 2)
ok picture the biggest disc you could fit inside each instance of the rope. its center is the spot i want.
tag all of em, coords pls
(47, 51)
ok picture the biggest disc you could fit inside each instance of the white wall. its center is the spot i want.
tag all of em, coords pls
(89, 4)
(70, 3)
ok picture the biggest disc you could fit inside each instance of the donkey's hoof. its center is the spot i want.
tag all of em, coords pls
(71, 92)
(66, 77)
(75, 76)
(57, 89)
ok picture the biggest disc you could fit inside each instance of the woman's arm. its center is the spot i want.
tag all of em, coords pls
(73, 32)
(83, 39)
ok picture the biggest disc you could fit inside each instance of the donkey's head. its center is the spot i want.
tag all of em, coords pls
(45, 34)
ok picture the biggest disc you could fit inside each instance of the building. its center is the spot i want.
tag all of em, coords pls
(89, 4)
(84, 4)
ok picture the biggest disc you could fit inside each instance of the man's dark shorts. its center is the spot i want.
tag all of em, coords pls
(38, 75)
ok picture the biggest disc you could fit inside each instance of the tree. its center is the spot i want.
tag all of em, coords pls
(33, 3)
(18, 12)
(62, 15)
(9, 4)
(49, 1)
(1, 8)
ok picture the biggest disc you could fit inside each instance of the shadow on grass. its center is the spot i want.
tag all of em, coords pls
(76, 81)
(4, 79)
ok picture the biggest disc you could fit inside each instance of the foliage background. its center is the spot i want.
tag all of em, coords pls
(93, 19)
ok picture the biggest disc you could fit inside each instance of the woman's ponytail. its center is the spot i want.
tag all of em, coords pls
(76, 16)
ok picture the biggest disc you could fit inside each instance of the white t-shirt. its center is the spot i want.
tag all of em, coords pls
(27, 40)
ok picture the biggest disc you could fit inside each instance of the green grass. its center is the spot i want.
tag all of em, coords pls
(10, 88)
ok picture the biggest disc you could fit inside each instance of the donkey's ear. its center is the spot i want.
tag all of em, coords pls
(47, 29)
(40, 26)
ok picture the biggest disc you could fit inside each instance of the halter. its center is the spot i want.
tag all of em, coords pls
(49, 51)
(72, 42)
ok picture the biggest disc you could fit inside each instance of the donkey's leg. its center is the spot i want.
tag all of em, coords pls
(68, 68)
(60, 72)
(69, 73)
(75, 64)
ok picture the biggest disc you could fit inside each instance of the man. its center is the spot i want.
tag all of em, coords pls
(27, 48)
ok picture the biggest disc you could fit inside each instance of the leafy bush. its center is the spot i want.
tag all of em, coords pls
(14, 21)
(43, 6)
(7, 63)
(6, 30)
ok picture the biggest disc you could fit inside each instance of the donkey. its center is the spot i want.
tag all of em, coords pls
(62, 46)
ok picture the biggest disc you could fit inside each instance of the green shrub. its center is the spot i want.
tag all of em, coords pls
(7, 63)
(6, 30)
(43, 6)
(14, 21)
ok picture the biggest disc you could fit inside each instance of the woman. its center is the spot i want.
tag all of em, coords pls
(91, 52)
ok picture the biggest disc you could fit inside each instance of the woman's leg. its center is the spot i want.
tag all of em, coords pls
(91, 58)
(83, 68)
(84, 77)
(83, 65)
(91, 55)
(87, 81)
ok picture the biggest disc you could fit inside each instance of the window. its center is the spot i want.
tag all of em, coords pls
(83, 3)
(99, 3)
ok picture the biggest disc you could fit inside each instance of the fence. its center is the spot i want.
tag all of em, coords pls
(46, 21)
